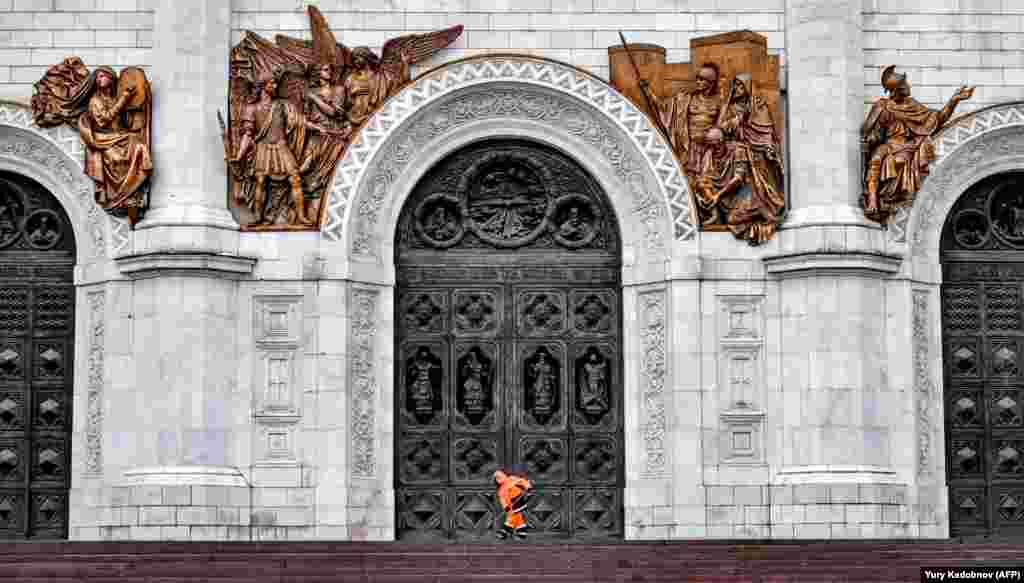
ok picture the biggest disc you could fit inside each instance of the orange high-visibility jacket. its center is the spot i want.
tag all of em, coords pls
(509, 489)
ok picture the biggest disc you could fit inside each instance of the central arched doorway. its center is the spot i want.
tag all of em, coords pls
(509, 348)
(37, 301)
(983, 335)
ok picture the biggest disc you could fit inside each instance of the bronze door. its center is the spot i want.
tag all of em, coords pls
(508, 313)
(37, 298)
(983, 336)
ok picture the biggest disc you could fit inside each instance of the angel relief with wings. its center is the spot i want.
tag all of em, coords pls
(295, 105)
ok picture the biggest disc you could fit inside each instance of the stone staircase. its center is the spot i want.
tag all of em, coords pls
(635, 562)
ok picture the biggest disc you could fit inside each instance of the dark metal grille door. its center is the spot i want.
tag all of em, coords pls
(508, 313)
(983, 336)
(37, 298)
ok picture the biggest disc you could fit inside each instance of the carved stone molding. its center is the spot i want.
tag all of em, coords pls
(94, 392)
(58, 153)
(545, 91)
(363, 307)
(924, 387)
(960, 150)
(653, 368)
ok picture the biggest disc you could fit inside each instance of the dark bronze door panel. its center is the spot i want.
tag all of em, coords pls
(983, 340)
(37, 299)
(509, 349)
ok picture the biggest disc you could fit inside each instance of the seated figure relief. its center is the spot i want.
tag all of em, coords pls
(114, 117)
(897, 144)
(295, 106)
(725, 135)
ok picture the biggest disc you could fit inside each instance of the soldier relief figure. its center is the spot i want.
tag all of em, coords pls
(730, 153)
(897, 144)
(114, 116)
(295, 107)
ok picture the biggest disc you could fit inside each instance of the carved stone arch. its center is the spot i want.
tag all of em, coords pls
(478, 98)
(450, 108)
(54, 158)
(985, 143)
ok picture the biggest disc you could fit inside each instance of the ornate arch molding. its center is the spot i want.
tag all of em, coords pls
(545, 99)
(987, 142)
(55, 159)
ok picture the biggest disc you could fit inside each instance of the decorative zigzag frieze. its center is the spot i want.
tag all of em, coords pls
(593, 92)
(949, 140)
(68, 141)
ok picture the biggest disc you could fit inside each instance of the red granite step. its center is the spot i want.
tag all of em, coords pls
(669, 562)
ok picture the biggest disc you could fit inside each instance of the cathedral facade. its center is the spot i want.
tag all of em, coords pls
(725, 275)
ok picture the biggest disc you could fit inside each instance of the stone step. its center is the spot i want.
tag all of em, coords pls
(653, 562)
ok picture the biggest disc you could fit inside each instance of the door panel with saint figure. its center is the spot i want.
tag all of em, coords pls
(37, 300)
(983, 340)
(509, 346)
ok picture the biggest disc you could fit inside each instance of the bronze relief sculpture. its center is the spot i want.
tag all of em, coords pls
(114, 116)
(295, 106)
(727, 142)
(896, 140)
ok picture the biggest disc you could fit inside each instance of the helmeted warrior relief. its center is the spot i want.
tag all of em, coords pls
(724, 134)
(114, 116)
(295, 107)
(897, 144)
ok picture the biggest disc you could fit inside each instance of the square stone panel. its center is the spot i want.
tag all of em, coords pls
(546, 458)
(593, 312)
(475, 458)
(51, 409)
(595, 459)
(14, 310)
(1004, 357)
(965, 408)
(53, 310)
(12, 462)
(423, 459)
(967, 458)
(540, 313)
(423, 311)
(50, 461)
(12, 514)
(476, 515)
(14, 361)
(595, 512)
(477, 312)
(12, 410)
(49, 360)
(421, 514)
(964, 357)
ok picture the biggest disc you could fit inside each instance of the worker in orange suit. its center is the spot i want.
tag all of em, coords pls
(513, 492)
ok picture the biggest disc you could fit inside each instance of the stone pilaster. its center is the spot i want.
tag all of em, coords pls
(832, 271)
(178, 420)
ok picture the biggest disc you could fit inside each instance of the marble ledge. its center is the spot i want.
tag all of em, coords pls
(826, 264)
(187, 263)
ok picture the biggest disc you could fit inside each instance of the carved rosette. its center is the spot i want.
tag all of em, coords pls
(653, 367)
(363, 379)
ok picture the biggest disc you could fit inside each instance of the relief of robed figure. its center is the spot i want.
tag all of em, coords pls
(897, 144)
(333, 89)
(113, 115)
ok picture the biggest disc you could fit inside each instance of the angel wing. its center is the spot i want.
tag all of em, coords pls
(323, 48)
(263, 57)
(419, 46)
(62, 95)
